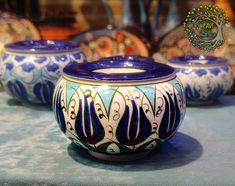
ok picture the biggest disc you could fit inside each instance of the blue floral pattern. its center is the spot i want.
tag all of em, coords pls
(17, 89)
(32, 78)
(44, 91)
(27, 67)
(205, 84)
(201, 72)
(40, 59)
(133, 119)
(52, 67)
(9, 66)
(19, 58)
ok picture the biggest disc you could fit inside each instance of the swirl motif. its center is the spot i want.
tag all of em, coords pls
(131, 122)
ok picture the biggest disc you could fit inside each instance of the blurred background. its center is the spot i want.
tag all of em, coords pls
(156, 23)
(74, 16)
(125, 27)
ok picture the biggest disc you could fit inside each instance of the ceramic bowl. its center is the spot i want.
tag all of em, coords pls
(205, 78)
(31, 68)
(119, 108)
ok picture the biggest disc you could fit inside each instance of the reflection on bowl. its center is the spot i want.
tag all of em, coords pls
(31, 68)
(119, 115)
(205, 78)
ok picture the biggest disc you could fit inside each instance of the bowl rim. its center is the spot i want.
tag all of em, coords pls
(42, 46)
(193, 61)
(149, 71)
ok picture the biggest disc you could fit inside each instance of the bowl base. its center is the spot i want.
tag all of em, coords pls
(201, 102)
(120, 157)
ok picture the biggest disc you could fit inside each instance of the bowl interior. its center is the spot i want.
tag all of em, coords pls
(120, 68)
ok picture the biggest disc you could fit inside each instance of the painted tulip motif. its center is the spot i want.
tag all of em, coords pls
(134, 127)
(17, 89)
(44, 91)
(192, 93)
(121, 120)
(164, 114)
(216, 92)
(171, 117)
(87, 125)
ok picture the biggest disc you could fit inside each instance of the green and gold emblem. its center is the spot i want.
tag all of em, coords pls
(203, 26)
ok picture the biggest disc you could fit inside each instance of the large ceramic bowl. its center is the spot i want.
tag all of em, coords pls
(119, 108)
(31, 68)
(205, 78)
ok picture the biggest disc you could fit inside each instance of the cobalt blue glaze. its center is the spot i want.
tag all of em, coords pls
(34, 46)
(44, 91)
(17, 89)
(151, 69)
(93, 130)
(133, 136)
(59, 114)
(198, 60)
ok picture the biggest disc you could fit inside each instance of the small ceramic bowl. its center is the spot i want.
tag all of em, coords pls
(205, 78)
(31, 68)
(119, 108)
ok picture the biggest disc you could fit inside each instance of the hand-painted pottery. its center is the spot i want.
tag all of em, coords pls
(119, 108)
(31, 68)
(109, 42)
(205, 78)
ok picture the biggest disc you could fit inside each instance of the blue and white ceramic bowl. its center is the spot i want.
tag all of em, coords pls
(205, 78)
(31, 68)
(119, 108)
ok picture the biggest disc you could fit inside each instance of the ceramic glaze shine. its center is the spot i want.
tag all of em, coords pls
(119, 116)
(118, 70)
(31, 68)
(205, 78)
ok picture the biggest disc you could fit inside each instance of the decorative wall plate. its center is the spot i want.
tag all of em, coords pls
(176, 43)
(108, 42)
(14, 28)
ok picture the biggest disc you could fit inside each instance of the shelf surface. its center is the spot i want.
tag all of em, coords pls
(34, 151)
